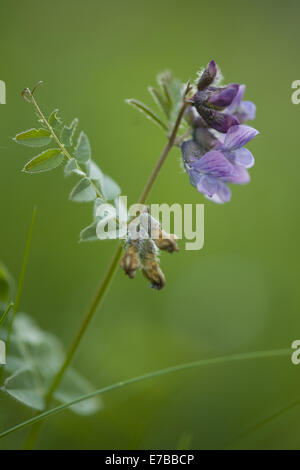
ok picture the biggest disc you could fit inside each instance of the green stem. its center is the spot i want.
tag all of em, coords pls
(112, 267)
(3, 318)
(151, 375)
(22, 275)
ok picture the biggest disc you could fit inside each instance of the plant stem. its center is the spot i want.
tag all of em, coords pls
(3, 318)
(169, 370)
(111, 269)
(22, 275)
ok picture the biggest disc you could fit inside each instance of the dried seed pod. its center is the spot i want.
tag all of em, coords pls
(163, 240)
(153, 273)
(167, 242)
(130, 262)
(150, 263)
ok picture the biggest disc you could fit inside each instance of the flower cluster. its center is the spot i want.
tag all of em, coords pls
(216, 155)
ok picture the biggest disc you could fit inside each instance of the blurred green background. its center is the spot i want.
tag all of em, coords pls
(239, 294)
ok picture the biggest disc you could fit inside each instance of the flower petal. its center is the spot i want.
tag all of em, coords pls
(207, 185)
(238, 136)
(237, 100)
(224, 97)
(215, 164)
(243, 157)
(222, 195)
(217, 120)
(191, 151)
(240, 176)
(246, 111)
(208, 75)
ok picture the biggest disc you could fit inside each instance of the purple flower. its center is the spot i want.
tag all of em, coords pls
(233, 145)
(243, 110)
(226, 162)
(211, 101)
(208, 172)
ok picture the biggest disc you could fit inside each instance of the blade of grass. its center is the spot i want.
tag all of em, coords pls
(265, 421)
(2, 319)
(151, 375)
(22, 274)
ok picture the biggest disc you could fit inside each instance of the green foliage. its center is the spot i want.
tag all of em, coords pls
(55, 121)
(84, 191)
(167, 96)
(72, 167)
(68, 132)
(34, 358)
(147, 112)
(75, 153)
(34, 138)
(45, 161)
(82, 150)
(109, 188)
(6, 284)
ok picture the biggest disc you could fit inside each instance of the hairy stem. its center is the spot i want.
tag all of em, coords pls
(111, 270)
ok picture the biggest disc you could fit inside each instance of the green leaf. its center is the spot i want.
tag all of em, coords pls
(83, 149)
(173, 90)
(74, 385)
(67, 133)
(35, 356)
(160, 100)
(45, 161)
(71, 167)
(6, 284)
(83, 191)
(147, 112)
(23, 387)
(109, 188)
(88, 234)
(55, 121)
(94, 171)
(34, 138)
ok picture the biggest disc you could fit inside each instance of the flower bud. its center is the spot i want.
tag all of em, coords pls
(208, 75)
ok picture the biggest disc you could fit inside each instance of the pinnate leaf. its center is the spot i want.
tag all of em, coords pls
(54, 120)
(45, 161)
(71, 167)
(109, 188)
(34, 138)
(147, 112)
(68, 132)
(83, 149)
(83, 191)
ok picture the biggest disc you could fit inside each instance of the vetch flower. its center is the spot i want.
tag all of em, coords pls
(211, 101)
(226, 161)
(233, 145)
(243, 110)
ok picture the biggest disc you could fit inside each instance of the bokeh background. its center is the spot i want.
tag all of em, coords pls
(240, 293)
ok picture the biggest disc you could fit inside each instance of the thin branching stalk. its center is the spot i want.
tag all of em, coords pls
(114, 262)
(181, 367)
